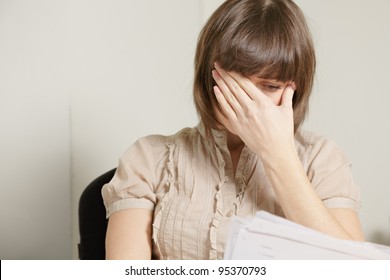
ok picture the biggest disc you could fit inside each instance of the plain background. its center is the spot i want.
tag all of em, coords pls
(82, 80)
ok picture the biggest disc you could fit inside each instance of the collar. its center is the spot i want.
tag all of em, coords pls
(218, 136)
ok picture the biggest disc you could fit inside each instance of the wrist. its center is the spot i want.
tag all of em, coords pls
(287, 175)
(275, 155)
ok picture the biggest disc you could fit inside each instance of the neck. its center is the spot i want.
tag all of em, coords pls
(235, 146)
(234, 143)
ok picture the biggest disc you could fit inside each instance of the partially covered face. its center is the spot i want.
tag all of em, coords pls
(271, 88)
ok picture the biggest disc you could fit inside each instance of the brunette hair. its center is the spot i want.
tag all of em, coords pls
(266, 38)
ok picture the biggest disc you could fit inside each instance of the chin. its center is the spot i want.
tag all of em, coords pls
(223, 124)
(228, 129)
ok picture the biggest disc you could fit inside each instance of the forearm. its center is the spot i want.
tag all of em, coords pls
(297, 197)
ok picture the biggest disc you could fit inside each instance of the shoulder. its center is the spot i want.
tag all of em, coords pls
(312, 146)
(309, 139)
(157, 145)
(157, 140)
(328, 170)
(148, 155)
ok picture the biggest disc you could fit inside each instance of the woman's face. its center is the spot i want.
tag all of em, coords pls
(273, 89)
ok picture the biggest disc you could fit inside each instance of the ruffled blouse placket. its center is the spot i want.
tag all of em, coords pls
(240, 182)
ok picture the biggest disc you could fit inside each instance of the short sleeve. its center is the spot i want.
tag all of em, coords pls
(135, 180)
(330, 174)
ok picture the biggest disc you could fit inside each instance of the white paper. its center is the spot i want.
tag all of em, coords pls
(266, 236)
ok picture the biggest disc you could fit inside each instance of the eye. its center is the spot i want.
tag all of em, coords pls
(270, 87)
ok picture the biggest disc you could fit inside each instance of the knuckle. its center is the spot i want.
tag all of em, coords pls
(250, 114)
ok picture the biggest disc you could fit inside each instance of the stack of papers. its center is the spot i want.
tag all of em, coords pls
(266, 236)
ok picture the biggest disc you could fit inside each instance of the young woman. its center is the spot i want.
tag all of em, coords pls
(173, 197)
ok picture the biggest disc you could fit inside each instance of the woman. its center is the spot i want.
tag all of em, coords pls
(173, 196)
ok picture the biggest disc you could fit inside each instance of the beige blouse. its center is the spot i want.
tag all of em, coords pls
(190, 185)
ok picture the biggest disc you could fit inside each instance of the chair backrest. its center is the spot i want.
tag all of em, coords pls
(92, 219)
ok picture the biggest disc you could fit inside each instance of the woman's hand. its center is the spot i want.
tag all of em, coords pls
(265, 127)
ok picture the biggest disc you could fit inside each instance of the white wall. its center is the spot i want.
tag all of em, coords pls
(81, 80)
(34, 132)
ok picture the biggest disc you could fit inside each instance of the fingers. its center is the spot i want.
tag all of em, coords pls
(224, 94)
(250, 89)
(287, 97)
(243, 88)
(227, 109)
(234, 83)
(241, 93)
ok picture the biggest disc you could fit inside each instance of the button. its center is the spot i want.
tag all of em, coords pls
(240, 181)
(229, 213)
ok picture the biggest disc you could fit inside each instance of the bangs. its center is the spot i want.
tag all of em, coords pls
(262, 46)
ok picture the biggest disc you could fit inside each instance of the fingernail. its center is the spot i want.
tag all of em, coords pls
(294, 86)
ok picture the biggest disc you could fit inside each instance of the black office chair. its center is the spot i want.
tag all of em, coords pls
(92, 219)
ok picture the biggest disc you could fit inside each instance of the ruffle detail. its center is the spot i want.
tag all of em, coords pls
(218, 214)
(158, 214)
(215, 223)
